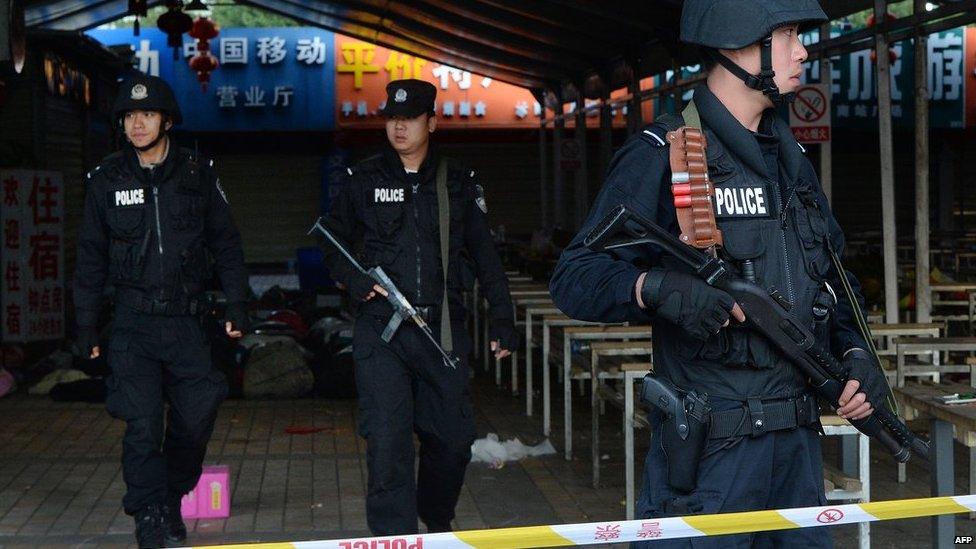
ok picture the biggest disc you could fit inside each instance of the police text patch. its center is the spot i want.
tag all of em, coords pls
(126, 197)
(741, 202)
(388, 195)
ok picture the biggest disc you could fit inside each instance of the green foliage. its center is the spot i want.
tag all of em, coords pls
(247, 16)
(898, 9)
(225, 16)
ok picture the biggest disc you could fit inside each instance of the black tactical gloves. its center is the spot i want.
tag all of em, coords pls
(861, 366)
(85, 341)
(236, 314)
(503, 331)
(686, 301)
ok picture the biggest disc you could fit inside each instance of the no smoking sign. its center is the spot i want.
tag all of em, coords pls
(810, 114)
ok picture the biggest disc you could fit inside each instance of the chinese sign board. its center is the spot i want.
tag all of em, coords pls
(276, 79)
(304, 78)
(32, 255)
(853, 97)
(463, 99)
(854, 92)
(810, 114)
(970, 77)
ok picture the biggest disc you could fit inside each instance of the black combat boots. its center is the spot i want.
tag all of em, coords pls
(174, 530)
(149, 527)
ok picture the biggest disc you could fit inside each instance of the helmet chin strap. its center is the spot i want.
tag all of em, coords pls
(764, 81)
(151, 144)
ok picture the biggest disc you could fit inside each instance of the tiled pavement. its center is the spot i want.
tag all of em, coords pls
(61, 483)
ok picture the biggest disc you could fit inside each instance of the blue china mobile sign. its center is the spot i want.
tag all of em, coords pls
(277, 79)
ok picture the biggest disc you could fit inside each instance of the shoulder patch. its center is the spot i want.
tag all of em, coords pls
(655, 135)
(94, 171)
(221, 191)
(480, 198)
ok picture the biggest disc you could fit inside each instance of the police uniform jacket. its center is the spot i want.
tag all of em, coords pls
(156, 233)
(395, 224)
(772, 212)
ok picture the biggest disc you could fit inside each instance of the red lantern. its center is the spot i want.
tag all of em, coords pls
(203, 63)
(204, 30)
(174, 23)
(892, 54)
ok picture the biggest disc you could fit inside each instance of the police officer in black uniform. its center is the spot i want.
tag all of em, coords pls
(155, 223)
(389, 209)
(763, 448)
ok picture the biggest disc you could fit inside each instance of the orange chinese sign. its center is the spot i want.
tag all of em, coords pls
(464, 100)
(970, 76)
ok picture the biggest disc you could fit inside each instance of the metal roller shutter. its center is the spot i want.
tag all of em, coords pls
(275, 199)
(64, 152)
(509, 173)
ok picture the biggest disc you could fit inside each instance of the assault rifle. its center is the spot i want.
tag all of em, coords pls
(402, 309)
(623, 227)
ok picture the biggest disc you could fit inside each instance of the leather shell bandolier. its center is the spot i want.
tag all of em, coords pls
(693, 192)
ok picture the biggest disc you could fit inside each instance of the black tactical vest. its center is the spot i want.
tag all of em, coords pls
(776, 235)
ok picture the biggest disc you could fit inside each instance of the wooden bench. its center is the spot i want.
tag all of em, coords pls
(534, 291)
(587, 333)
(475, 307)
(915, 345)
(884, 334)
(519, 301)
(532, 313)
(946, 422)
(946, 309)
(598, 391)
(634, 372)
(549, 322)
(845, 485)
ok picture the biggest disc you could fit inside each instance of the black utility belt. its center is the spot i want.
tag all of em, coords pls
(759, 417)
(138, 300)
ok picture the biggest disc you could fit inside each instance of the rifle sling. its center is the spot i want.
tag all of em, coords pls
(444, 222)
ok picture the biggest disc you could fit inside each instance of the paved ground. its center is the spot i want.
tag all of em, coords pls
(61, 483)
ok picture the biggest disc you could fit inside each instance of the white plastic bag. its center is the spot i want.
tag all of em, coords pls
(489, 450)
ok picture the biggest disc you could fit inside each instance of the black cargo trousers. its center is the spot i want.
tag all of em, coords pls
(156, 360)
(405, 388)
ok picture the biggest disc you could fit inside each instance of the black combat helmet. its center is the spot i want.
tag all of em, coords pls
(146, 93)
(735, 24)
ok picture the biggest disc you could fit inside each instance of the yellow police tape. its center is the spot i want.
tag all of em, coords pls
(651, 529)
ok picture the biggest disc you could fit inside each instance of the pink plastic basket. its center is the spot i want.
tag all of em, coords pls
(211, 497)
